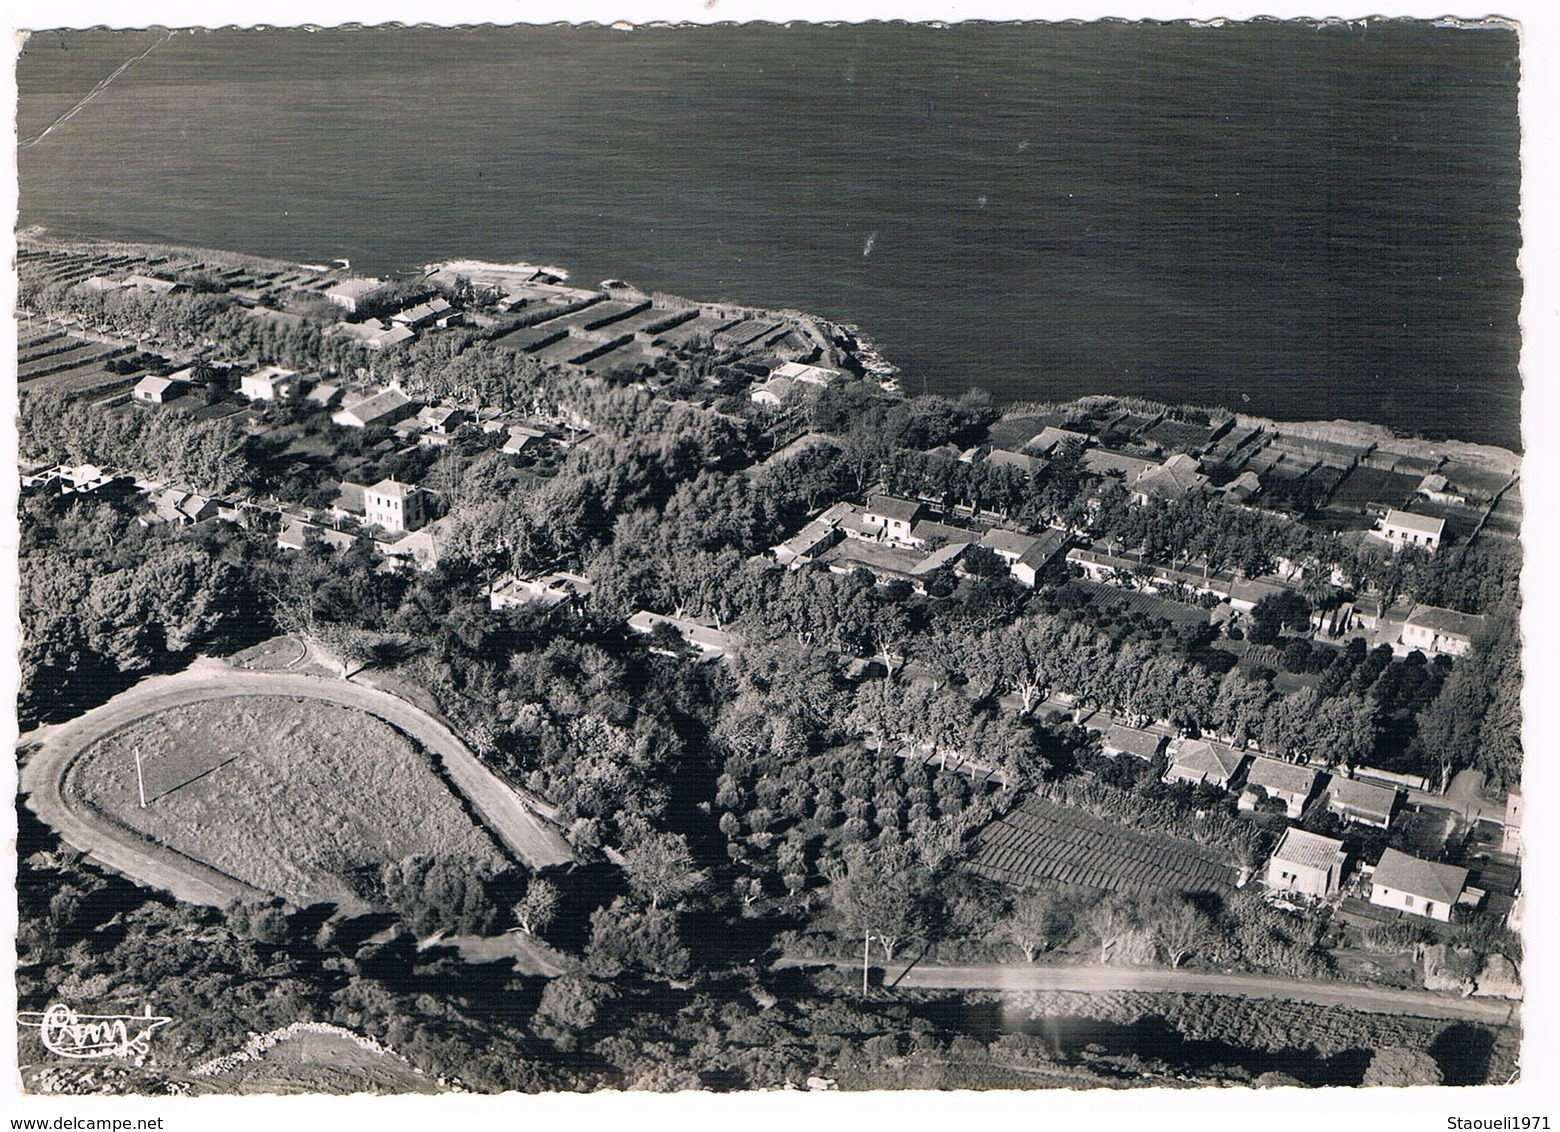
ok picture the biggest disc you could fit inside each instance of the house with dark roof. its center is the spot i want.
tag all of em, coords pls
(891, 517)
(1362, 802)
(1273, 778)
(1439, 632)
(1422, 888)
(1049, 545)
(1018, 461)
(1200, 761)
(1306, 864)
(1048, 439)
(1177, 478)
(382, 409)
(1119, 739)
(297, 534)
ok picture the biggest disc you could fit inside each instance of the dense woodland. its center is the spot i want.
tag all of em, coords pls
(755, 803)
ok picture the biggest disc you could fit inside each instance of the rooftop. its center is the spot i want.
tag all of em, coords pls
(892, 507)
(1309, 850)
(1362, 796)
(1277, 775)
(1209, 759)
(1446, 621)
(1429, 879)
(1408, 521)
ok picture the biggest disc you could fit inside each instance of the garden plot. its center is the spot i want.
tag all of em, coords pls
(1044, 841)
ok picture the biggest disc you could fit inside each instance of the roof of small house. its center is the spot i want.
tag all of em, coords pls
(151, 384)
(1046, 546)
(777, 387)
(1102, 462)
(1408, 521)
(892, 507)
(271, 375)
(349, 496)
(1049, 437)
(798, 371)
(928, 529)
(1446, 622)
(1361, 796)
(1308, 850)
(1132, 741)
(1002, 458)
(395, 489)
(354, 289)
(1277, 776)
(1004, 541)
(940, 558)
(1403, 873)
(1211, 760)
(380, 405)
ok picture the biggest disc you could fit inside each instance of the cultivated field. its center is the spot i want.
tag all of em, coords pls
(287, 795)
(1042, 840)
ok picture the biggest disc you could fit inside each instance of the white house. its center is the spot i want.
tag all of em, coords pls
(1404, 528)
(1423, 888)
(383, 408)
(158, 390)
(1307, 864)
(1289, 783)
(1361, 802)
(807, 375)
(395, 506)
(1436, 631)
(891, 517)
(270, 384)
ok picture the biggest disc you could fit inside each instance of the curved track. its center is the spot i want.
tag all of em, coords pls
(503, 811)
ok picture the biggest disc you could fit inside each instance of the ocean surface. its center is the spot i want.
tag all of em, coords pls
(1300, 221)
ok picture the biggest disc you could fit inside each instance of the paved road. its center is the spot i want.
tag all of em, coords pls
(1027, 977)
(43, 772)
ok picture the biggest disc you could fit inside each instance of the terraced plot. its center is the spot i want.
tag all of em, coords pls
(1044, 841)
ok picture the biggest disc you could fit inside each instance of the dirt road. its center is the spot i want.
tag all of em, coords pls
(1041, 976)
(43, 772)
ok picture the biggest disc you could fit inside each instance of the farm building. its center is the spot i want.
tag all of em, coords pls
(1048, 439)
(158, 390)
(1289, 783)
(771, 392)
(297, 534)
(1199, 761)
(1404, 528)
(1361, 801)
(374, 335)
(1044, 550)
(809, 542)
(384, 408)
(1120, 739)
(1177, 478)
(1423, 888)
(806, 374)
(435, 312)
(1307, 864)
(1018, 461)
(549, 591)
(349, 293)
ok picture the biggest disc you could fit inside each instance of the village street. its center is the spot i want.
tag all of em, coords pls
(1017, 977)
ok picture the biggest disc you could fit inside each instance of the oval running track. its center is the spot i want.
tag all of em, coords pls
(500, 808)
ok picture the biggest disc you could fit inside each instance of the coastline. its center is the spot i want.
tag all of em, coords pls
(873, 360)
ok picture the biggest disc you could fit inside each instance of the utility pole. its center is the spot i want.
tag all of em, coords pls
(140, 782)
(866, 953)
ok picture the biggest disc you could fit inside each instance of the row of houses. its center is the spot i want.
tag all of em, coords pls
(1309, 865)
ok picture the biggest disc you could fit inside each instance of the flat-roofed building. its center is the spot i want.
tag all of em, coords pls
(270, 384)
(1307, 864)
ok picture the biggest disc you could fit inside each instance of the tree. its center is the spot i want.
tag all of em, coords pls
(626, 937)
(880, 896)
(538, 908)
(1112, 921)
(661, 867)
(1031, 922)
(1180, 928)
(570, 1005)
